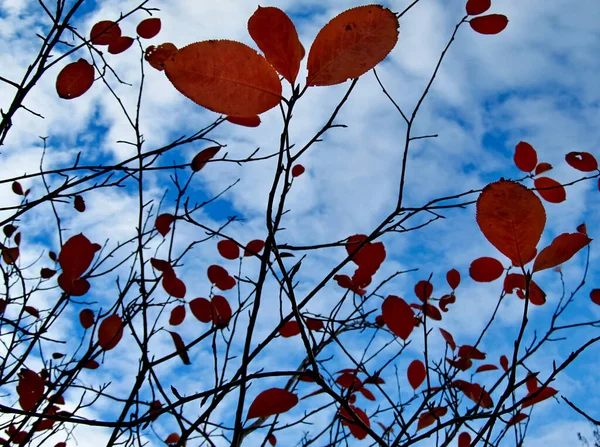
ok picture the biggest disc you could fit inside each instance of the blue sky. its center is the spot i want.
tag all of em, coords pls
(536, 82)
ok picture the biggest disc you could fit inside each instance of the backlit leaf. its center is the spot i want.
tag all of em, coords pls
(172, 439)
(525, 157)
(163, 223)
(490, 24)
(77, 255)
(349, 421)
(86, 318)
(476, 7)
(47, 273)
(158, 56)
(173, 285)
(148, 28)
(228, 249)
(582, 161)
(545, 393)
(448, 338)
(297, 170)
(177, 315)
(595, 296)
(289, 329)
(550, 190)
(272, 439)
(453, 278)
(221, 311)
(423, 290)
(32, 311)
(180, 348)
(120, 45)
(254, 247)
(225, 76)
(30, 389)
(10, 255)
(519, 417)
(91, 364)
(79, 203)
(416, 373)
(314, 324)
(429, 417)
(272, 401)
(246, 121)
(398, 316)
(562, 248)
(17, 188)
(517, 281)
(105, 32)
(504, 362)
(512, 218)
(74, 79)
(276, 36)
(486, 269)
(110, 332)
(464, 439)
(351, 44)
(199, 161)
(470, 352)
(486, 367)
(201, 309)
(542, 167)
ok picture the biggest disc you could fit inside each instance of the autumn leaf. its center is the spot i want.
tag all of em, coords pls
(429, 417)
(225, 76)
(86, 318)
(512, 218)
(272, 401)
(423, 290)
(110, 332)
(120, 45)
(582, 161)
(163, 223)
(148, 28)
(453, 278)
(199, 161)
(486, 367)
(228, 249)
(177, 315)
(416, 373)
(562, 248)
(173, 285)
(448, 338)
(486, 269)
(254, 247)
(246, 121)
(77, 255)
(490, 24)
(594, 296)
(158, 56)
(550, 190)
(470, 352)
(504, 362)
(289, 329)
(517, 281)
(476, 7)
(398, 316)
(221, 311)
(105, 32)
(525, 157)
(202, 309)
(297, 170)
(74, 79)
(538, 396)
(180, 348)
(79, 203)
(351, 44)
(464, 439)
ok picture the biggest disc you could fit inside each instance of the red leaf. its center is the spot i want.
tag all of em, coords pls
(110, 332)
(177, 315)
(225, 76)
(246, 121)
(180, 348)
(17, 188)
(470, 352)
(120, 45)
(429, 417)
(105, 32)
(550, 190)
(398, 316)
(77, 255)
(351, 44)
(532, 383)
(74, 79)
(477, 394)
(163, 223)
(542, 167)
(476, 7)
(582, 161)
(221, 311)
(272, 439)
(161, 265)
(429, 310)
(199, 161)
(32, 311)
(490, 24)
(562, 248)
(582, 228)
(74, 287)
(86, 318)
(216, 273)
(10, 255)
(504, 362)
(367, 393)
(2, 305)
(30, 389)
(148, 28)
(525, 157)
(297, 170)
(201, 309)
(519, 417)
(453, 278)
(172, 439)
(314, 324)
(91, 364)
(462, 364)
(464, 439)
(517, 281)
(158, 56)
(512, 218)
(290, 329)
(254, 247)
(448, 338)
(486, 269)
(173, 285)
(446, 300)
(374, 379)
(9, 230)
(228, 249)
(349, 421)
(423, 290)
(594, 296)
(379, 321)
(272, 401)
(349, 380)
(544, 394)
(79, 204)
(276, 36)
(416, 373)
(226, 283)
(60, 444)
(487, 367)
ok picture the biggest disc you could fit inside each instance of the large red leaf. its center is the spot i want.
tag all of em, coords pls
(202, 309)
(74, 79)
(110, 332)
(398, 316)
(173, 285)
(582, 161)
(148, 28)
(486, 269)
(525, 157)
(416, 373)
(180, 348)
(490, 24)
(254, 247)
(349, 421)
(562, 248)
(225, 76)
(351, 44)
(512, 218)
(76, 255)
(105, 32)
(228, 249)
(476, 7)
(30, 389)
(272, 401)
(550, 190)
(276, 36)
(429, 417)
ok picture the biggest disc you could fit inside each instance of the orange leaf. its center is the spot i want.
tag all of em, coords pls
(228, 249)
(490, 24)
(177, 315)
(398, 316)
(464, 439)
(542, 167)
(453, 278)
(276, 36)
(429, 417)
(199, 161)
(486, 269)
(158, 56)
(416, 373)
(105, 32)
(163, 223)
(272, 401)
(74, 79)
(448, 338)
(550, 190)
(246, 121)
(120, 45)
(180, 348)
(148, 28)
(226, 77)
(512, 218)
(86, 318)
(110, 332)
(201, 309)
(525, 157)
(562, 248)
(476, 7)
(351, 44)
(582, 161)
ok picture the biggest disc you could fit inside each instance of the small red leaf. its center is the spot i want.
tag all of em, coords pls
(120, 45)
(314, 324)
(158, 56)
(172, 439)
(423, 290)
(74, 79)
(177, 315)
(79, 204)
(10, 255)
(525, 157)
(416, 373)
(470, 352)
(562, 248)
(77, 255)
(464, 439)
(519, 417)
(74, 287)
(550, 190)
(110, 332)
(595, 296)
(199, 161)
(297, 170)
(105, 32)
(582, 228)
(216, 273)
(429, 417)
(544, 394)
(221, 311)
(30, 389)
(228, 249)
(486, 269)
(367, 393)
(86, 318)
(17, 188)
(148, 28)
(163, 223)
(272, 401)
(453, 278)
(542, 167)
(201, 309)
(161, 265)
(32, 311)
(490, 24)
(477, 394)
(448, 338)
(476, 7)
(487, 367)
(246, 121)
(349, 421)
(173, 285)
(226, 283)
(398, 316)
(272, 439)
(504, 362)
(180, 348)
(582, 161)
(517, 281)
(462, 364)
(9, 230)
(254, 247)
(289, 329)
(91, 364)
